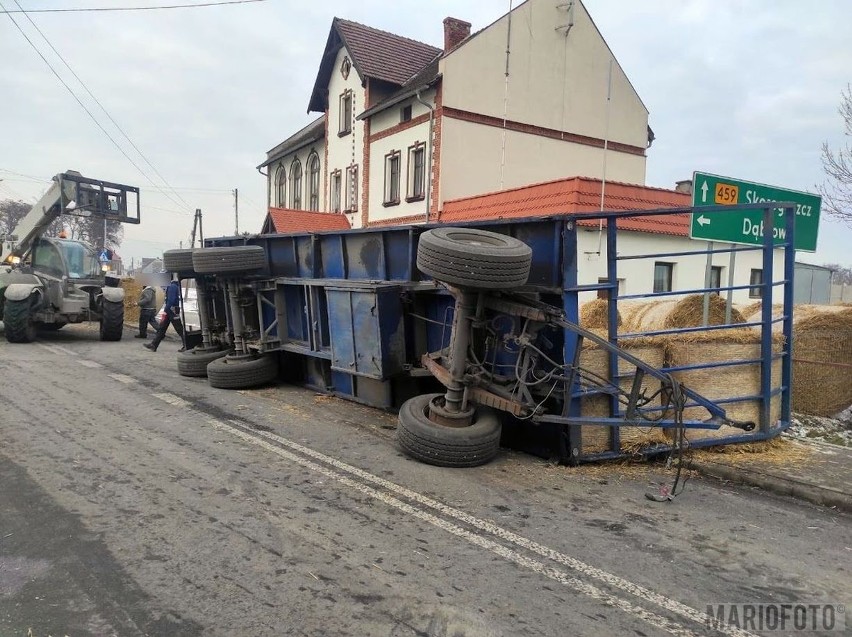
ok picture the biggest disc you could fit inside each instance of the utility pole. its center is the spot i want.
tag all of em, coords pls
(236, 211)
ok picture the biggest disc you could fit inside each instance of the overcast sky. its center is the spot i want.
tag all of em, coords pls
(745, 89)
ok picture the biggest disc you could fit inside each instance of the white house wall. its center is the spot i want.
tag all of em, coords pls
(348, 149)
(378, 149)
(556, 80)
(287, 162)
(388, 118)
(471, 157)
(688, 272)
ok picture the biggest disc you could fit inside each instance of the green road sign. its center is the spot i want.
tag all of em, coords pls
(746, 226)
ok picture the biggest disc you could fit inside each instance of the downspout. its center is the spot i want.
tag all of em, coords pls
(268, 189)
(428, 154)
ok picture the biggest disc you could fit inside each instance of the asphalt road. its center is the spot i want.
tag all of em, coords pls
(137, 502)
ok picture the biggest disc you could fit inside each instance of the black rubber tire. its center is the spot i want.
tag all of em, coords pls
(112, 321)
(474, 258)
(240, 372)
(193, 363)
(229, 259)
(179, 261)
(443, 446)
(17, 318)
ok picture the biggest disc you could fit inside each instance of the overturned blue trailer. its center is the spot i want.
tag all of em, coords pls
(351, 314)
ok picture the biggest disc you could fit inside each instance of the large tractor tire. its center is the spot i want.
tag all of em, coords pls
(242, 372)
(179, 261)
(17, 317)
(112, 321)
(193, 363)
(473, 258)
(229, 260)
(444, 446)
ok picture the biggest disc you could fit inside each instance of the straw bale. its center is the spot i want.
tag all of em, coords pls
(647, 316)
(595, 314)
(822, 361)
(596, 438)
(689, 312)
(717, 383)
(748, 311)
(132, 288)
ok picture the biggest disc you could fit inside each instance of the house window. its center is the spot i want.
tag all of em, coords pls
(416, 172)
(345, 113)
(281, 187)
(605, 294)
(335, 191)
(352, 188)
(663, 276)
(716, 277)
(756, 279)
(296, 185)
(313, 182)
(405, 114)
(392, 161)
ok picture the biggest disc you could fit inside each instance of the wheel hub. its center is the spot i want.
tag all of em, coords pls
(440, 415)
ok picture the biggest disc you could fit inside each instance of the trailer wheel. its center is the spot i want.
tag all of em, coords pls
(179, 261)
(229, 259)
(17, 317)
(474, 258)
(194, 362)
(242, 372)
(112, 321)
(445, 446)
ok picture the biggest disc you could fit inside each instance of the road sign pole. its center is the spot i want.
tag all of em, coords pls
(708, 276)
(730, 299)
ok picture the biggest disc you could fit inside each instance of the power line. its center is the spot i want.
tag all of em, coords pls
(97, 101)
(156, 8)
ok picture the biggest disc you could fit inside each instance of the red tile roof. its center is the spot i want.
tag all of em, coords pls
(576, 194)
(291, 221)
(383, 55)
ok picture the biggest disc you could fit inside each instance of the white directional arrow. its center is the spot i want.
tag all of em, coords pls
(704, 194)
(702, 220)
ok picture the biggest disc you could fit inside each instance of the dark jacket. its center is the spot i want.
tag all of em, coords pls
(147, 300)
(173, 297)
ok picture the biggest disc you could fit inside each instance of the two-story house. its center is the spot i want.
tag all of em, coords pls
(405, 126)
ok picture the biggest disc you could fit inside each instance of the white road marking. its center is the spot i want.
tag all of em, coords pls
(177, 401)
(489, 527)
(121, 378)
(484, 542)
(57, 349)
(90, 364)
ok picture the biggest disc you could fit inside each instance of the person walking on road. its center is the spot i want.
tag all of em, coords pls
(147, 305)
(172, 317)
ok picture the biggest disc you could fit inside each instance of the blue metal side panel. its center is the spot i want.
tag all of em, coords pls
(343, 383)
(365, 327)
(365, 256)
(282, 256)
(340, 327)
(397, 254)
(545, 251)
(440, 314)
(297, 323)
(331, 251)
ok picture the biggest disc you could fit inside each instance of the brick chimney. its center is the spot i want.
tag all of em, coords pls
(455, 31)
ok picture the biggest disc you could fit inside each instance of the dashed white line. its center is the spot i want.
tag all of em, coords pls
(121, 378)
(171, 399)
(89, 364)
(57, 349)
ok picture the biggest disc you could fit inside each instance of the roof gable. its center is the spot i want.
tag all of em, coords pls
(285, 220)
(374, 53)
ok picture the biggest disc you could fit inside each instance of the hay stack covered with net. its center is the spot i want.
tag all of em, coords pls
(673, 314)
(593, 359)
(822, 360)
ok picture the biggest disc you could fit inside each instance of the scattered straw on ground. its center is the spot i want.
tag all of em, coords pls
(595, 314)
(777, 451)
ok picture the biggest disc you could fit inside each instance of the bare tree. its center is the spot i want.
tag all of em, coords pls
(841, 274)
(836, 191)
(89, 229)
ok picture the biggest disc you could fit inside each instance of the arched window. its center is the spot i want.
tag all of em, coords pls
(313, 182)
(281, 187)
(296, 185)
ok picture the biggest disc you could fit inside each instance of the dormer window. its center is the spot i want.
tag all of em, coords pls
(345, 113)
(345, 67)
